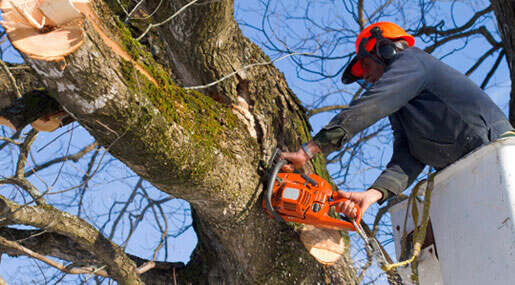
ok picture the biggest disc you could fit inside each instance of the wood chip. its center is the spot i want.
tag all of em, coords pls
(49, 123)
(7, 123)
(325, 245)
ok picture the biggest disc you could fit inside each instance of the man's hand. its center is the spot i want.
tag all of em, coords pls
(362, 199)
(299, 158)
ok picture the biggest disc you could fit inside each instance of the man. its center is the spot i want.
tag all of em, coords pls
(437, 114)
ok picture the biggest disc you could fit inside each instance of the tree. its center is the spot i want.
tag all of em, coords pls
(202, 147)
(506, 23)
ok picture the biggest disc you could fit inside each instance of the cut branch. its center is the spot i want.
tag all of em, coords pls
(32, 106)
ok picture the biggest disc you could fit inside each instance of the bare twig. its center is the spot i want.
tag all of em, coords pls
(381, 8)
(73, 157)
(431, 30)
(152, 14)
(361, 15)
(481, 59)
(124, 209)
(11, 78)
(123, 8)
(326, 109)
(165, 21)
(10, 141)
(492, 71)
(240, 70)
(481, 30)
(133, 11)
(19, 177)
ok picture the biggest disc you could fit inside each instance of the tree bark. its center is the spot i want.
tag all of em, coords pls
(204, 147)
(505, 14)
(46, 217)
(62, 247)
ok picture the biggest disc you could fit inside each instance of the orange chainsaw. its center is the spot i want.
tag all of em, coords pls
(301, 198)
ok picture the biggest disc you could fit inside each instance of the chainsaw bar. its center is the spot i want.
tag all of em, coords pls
(371, 245)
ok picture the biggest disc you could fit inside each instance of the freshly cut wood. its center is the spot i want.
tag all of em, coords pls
(60, 11)
(49, 123)
(325, 245)
(7, 123)
(52, 29)
(44, 30)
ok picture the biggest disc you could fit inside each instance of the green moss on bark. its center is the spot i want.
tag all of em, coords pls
(190, 116)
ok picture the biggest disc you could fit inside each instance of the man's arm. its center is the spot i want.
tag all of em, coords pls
(402, 81)
(400, 172)
(402, 169)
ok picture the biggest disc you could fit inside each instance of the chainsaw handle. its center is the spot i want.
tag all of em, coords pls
(359, 214)
(306, 178)
(270, 187)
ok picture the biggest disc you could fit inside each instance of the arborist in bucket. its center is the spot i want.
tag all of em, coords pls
(437, 114)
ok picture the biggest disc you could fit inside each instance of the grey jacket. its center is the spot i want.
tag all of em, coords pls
(437, 115)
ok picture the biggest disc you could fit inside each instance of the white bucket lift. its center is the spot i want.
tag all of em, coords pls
(472, 216)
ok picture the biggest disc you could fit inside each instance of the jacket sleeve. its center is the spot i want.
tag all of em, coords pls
(402, 169)
(403, 80)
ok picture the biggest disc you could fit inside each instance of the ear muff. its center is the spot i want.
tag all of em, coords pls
(385, 48)
(386, 52)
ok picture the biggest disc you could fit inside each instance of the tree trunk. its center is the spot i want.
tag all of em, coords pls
(505, 14)
(204, 147)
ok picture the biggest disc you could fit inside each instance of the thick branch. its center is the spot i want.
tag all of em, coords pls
(59, 246)
(16, 247)
(120, 267)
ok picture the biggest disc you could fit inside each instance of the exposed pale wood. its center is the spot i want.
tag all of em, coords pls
(325, 245)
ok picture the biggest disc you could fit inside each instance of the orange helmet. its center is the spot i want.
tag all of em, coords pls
(366, 42)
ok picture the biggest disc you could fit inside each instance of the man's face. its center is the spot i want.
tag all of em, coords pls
(371, 69)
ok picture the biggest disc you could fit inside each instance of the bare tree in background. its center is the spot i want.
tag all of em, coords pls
(204, 147)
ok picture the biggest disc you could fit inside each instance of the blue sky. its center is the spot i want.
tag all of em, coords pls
(115, 181)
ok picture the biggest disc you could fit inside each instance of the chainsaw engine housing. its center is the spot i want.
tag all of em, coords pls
(306, 199)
